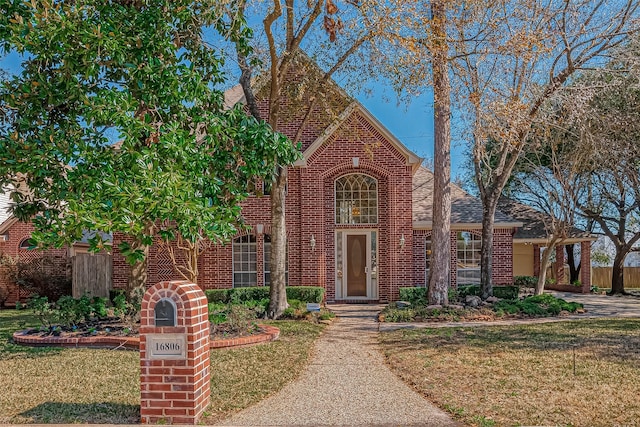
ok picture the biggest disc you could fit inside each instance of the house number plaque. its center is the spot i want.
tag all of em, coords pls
(167, 346)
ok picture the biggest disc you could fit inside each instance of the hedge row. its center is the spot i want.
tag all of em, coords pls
(240, 295)
(504, 292)
(418, 295)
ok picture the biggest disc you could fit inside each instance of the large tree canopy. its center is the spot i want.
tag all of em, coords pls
(135, 72)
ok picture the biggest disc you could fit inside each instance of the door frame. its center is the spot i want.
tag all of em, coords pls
(341, 279)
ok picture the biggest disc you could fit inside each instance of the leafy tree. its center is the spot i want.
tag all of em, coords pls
(608, 141)
(513, 58)
(138, 73)
(590, 133)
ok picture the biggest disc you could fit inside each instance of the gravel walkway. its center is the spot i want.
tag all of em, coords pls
(346, 384)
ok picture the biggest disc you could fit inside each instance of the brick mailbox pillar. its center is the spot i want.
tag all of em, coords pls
(174, 354)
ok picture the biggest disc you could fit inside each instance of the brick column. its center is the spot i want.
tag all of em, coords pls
(559, 264)
(585, 266)
(174, 354)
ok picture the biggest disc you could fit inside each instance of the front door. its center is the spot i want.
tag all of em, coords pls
(356, 266)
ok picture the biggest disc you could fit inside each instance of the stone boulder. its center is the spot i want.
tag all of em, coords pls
(472, 301)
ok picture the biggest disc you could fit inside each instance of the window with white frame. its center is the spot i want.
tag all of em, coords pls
(267, 261)
(356, 199)
(468, 249)
(245, 271)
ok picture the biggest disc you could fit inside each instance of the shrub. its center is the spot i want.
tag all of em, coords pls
(506, 292)
(537, 305)
(391, 314)
(313, 294)
(503, 292)
(43, 310)
(4, 295)
(415, 295)
(525, 281)
(465, 290)
(240, 319)
(45, 276)
(241, 295)
(306, 294)
(297, 310)
(217, 295)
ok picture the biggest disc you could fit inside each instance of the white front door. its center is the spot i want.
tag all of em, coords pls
(356, 264)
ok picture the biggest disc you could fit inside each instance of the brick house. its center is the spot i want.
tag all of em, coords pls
(358, 213)
(14, 243)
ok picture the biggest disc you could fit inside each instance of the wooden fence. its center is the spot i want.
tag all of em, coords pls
(91, 275)
(601, 276)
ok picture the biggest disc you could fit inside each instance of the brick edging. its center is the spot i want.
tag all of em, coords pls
(270, 333)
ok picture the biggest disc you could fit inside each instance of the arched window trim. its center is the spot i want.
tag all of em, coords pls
(356, 213)
(25, 244)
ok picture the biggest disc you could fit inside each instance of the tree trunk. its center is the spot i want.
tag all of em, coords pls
(544, 266)
(440, 269)
(574, 271)
(277, 292)
(486, 254)
(617, 278)
(138, 276)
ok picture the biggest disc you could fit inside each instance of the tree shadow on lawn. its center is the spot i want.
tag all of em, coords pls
(608, 339)
(84, 413)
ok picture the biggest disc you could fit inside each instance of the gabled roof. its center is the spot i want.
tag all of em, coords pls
(356, 107)
(534, 222)
(352, 106)
(466, 210)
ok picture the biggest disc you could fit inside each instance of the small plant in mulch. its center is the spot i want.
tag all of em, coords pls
(529, 307)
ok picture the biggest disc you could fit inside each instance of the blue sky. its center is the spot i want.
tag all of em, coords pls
(412, 124)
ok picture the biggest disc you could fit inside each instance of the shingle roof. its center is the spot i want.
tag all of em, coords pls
(465, 209)
(533, 221)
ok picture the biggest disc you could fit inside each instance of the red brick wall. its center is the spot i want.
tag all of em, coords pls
(502, 256)
(18, 232)
(175, 391)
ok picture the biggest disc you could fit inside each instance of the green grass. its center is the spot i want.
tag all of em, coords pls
(525, 375)
(53, 385)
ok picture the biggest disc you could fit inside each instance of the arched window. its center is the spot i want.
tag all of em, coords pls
(25, 244)
(469, 246)
(356, 199)
(245, 272)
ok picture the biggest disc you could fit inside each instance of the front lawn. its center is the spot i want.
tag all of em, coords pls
(525, 375)
(53, 385)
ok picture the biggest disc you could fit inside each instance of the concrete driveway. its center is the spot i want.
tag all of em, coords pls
(603, 305)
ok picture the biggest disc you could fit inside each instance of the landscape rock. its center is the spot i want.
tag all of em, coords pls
(434, 307)
(456, 306)
(492, 299)
(473, 301)
(403, 304)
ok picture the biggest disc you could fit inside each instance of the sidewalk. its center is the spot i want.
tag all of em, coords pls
(346, 384)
